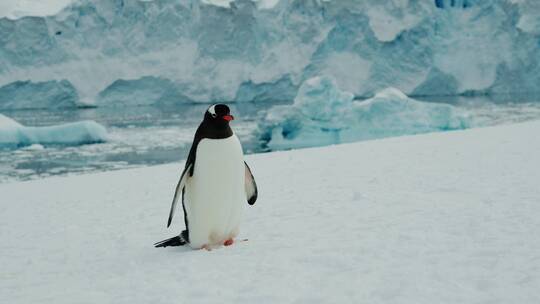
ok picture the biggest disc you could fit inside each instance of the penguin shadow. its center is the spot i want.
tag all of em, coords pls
(186, 249)
(176, 249)
(181, 249)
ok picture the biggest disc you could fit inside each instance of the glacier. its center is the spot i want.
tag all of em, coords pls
(145, 91)
(14, 9)
(255, 51)
(22, 95)
(322, 114)
(15, 135)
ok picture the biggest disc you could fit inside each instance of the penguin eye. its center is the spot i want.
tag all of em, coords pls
(214, 115)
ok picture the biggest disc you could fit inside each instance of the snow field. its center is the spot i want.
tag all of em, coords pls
(436, 218)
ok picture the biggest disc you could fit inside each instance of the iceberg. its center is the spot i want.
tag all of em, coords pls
(257, 51)
(322, 114)
(15, 135)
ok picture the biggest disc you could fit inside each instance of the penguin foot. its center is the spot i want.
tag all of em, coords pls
(174, 241)
(228, 242)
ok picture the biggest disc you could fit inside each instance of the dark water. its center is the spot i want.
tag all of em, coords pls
(139, 136)
(142, 136)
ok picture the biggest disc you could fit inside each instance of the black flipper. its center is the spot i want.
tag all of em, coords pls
(179, 190)
(250, 186)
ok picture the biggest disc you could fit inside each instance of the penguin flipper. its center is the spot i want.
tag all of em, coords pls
(250, 186)
(178, 191)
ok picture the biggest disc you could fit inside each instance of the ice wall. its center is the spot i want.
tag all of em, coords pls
(21, 95)
(322, 114)
(263, 50)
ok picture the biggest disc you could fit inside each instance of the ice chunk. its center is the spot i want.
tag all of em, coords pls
(323, 115)
(320, 99)
(14, 135)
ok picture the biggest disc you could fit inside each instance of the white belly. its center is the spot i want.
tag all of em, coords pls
(215, 195)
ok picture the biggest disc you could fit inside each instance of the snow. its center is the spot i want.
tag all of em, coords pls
(216, 50)
(461, 60)
(435, 218)
(529, 20)
(388, 19)
(13, 134)
(14, 9)
(261, 4)
(323, 114)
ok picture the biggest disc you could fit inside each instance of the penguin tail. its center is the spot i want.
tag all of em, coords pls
(174, 241)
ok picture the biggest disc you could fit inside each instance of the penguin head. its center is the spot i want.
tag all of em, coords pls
(218, 114)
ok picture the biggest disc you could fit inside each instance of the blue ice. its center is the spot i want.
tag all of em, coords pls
(15, 135)
(322, 114)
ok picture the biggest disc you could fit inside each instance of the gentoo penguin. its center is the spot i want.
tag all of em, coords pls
(215, 184)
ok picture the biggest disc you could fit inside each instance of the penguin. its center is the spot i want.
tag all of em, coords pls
(214, 185)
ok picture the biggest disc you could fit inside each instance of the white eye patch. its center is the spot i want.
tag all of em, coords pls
(212, 110)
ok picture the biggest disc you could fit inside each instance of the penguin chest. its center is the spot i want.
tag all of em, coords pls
(214, 195)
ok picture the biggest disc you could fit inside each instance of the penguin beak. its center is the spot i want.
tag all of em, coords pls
(228, 117)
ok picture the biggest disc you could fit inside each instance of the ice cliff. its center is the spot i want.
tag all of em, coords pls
(322, 114)
(15, 135)
(21, 95)
(116, 52)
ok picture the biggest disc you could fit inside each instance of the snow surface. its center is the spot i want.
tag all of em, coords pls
(322, 114)
(233, 50)
(436, 218)
(13, 134)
